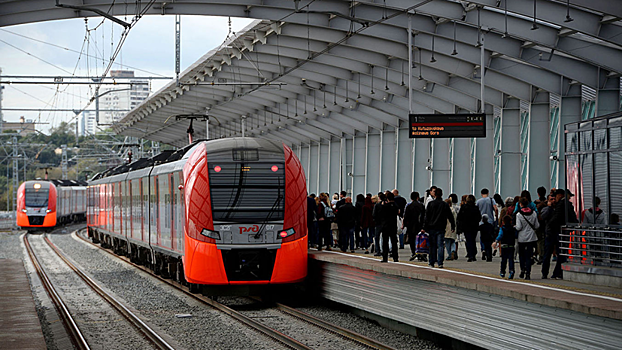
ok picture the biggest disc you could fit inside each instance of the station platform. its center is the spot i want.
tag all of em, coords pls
(19, 323)
(470, 302)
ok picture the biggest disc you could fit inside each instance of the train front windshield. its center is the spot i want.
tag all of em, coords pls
(247, 191)
(37, 198)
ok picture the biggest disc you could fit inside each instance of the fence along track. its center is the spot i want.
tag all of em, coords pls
(149, 333)
(70, 325)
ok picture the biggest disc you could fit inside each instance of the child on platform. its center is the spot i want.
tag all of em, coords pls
(506, 238)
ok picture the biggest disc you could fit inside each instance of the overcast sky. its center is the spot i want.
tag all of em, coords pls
(150, 46)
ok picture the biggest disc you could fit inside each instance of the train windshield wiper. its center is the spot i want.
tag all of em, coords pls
(272, 210)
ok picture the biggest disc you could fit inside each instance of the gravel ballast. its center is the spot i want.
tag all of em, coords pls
(160, 304)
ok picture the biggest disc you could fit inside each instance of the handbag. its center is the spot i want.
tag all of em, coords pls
(400, 222)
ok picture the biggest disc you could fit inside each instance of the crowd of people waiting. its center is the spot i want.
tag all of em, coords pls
(380, 224)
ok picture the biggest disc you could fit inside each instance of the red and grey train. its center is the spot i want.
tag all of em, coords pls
(226, 216)
(42, 204)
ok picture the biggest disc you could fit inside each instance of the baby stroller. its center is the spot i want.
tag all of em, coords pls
(422, 250)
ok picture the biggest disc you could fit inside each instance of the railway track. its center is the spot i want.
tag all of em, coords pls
(78, 337)
(349, 338)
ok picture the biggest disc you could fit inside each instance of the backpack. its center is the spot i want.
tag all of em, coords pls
(328, 212)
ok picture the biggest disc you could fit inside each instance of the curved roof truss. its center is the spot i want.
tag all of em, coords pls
(322, 69)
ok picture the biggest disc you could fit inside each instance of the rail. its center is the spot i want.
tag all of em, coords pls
(149, 333)
(275, 335)
(592, 245)
(343, 332)
(70, 325)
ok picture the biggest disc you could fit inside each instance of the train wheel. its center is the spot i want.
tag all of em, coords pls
(155, 265)
(193, 288)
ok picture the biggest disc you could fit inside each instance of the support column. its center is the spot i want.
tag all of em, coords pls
(608, 94)
(342, 163)
(422, 156)
(319, 162)
(570, 113)
(404, 164)
(484, 157)
(441, 165)
(461, 158)
(510, 152)
(309, 168)
(539, 148)
(366, 158)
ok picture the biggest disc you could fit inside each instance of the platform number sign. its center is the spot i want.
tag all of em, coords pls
(426, 126)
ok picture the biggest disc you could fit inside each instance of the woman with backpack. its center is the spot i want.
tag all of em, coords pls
(526, 226)
(324, 218)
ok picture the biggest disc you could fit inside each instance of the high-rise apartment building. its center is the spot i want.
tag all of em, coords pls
(115, 104)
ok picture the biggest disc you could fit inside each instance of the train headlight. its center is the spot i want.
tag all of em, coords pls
(211, 234)
(48, 211)
(24, 210)
(285, 233)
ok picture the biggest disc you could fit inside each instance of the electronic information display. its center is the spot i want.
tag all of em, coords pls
(427, 126)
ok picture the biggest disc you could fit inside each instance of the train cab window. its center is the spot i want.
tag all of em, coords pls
(247, 191)
(37, 198)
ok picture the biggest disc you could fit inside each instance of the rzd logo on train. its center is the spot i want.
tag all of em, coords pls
(254, 228)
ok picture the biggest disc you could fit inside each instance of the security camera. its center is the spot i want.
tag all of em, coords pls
(429, 167)
(553, 157)
(350, 174)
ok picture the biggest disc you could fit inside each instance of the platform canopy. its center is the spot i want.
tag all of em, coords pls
(308, 71)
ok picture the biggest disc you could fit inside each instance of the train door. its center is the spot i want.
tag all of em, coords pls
(111, 206)
(153, 211)
(164, 211)
(127, 207)
(173, 192)
(144, 206)
(176, 229)
(181, 214)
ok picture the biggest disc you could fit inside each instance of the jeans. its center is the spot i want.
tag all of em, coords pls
(551, 245)
(507, 255)
(312, 227)
(450, 246)
(401, 237)
(325, 234)
(525, 253)
(385, 245)
(377, 239)
(470, 244)
(437, 247)
(346, 237)
(364, 238)
(371, 232)
(487, 252)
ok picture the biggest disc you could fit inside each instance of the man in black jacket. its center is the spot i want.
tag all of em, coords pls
(311, 220)
(564, 213)
(345, 221)
(413, 219)
(342, 200)
(377, 214)
(436, 215)
(401, 204)
(389, 214)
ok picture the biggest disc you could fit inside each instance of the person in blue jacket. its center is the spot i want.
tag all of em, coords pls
(506, 238)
